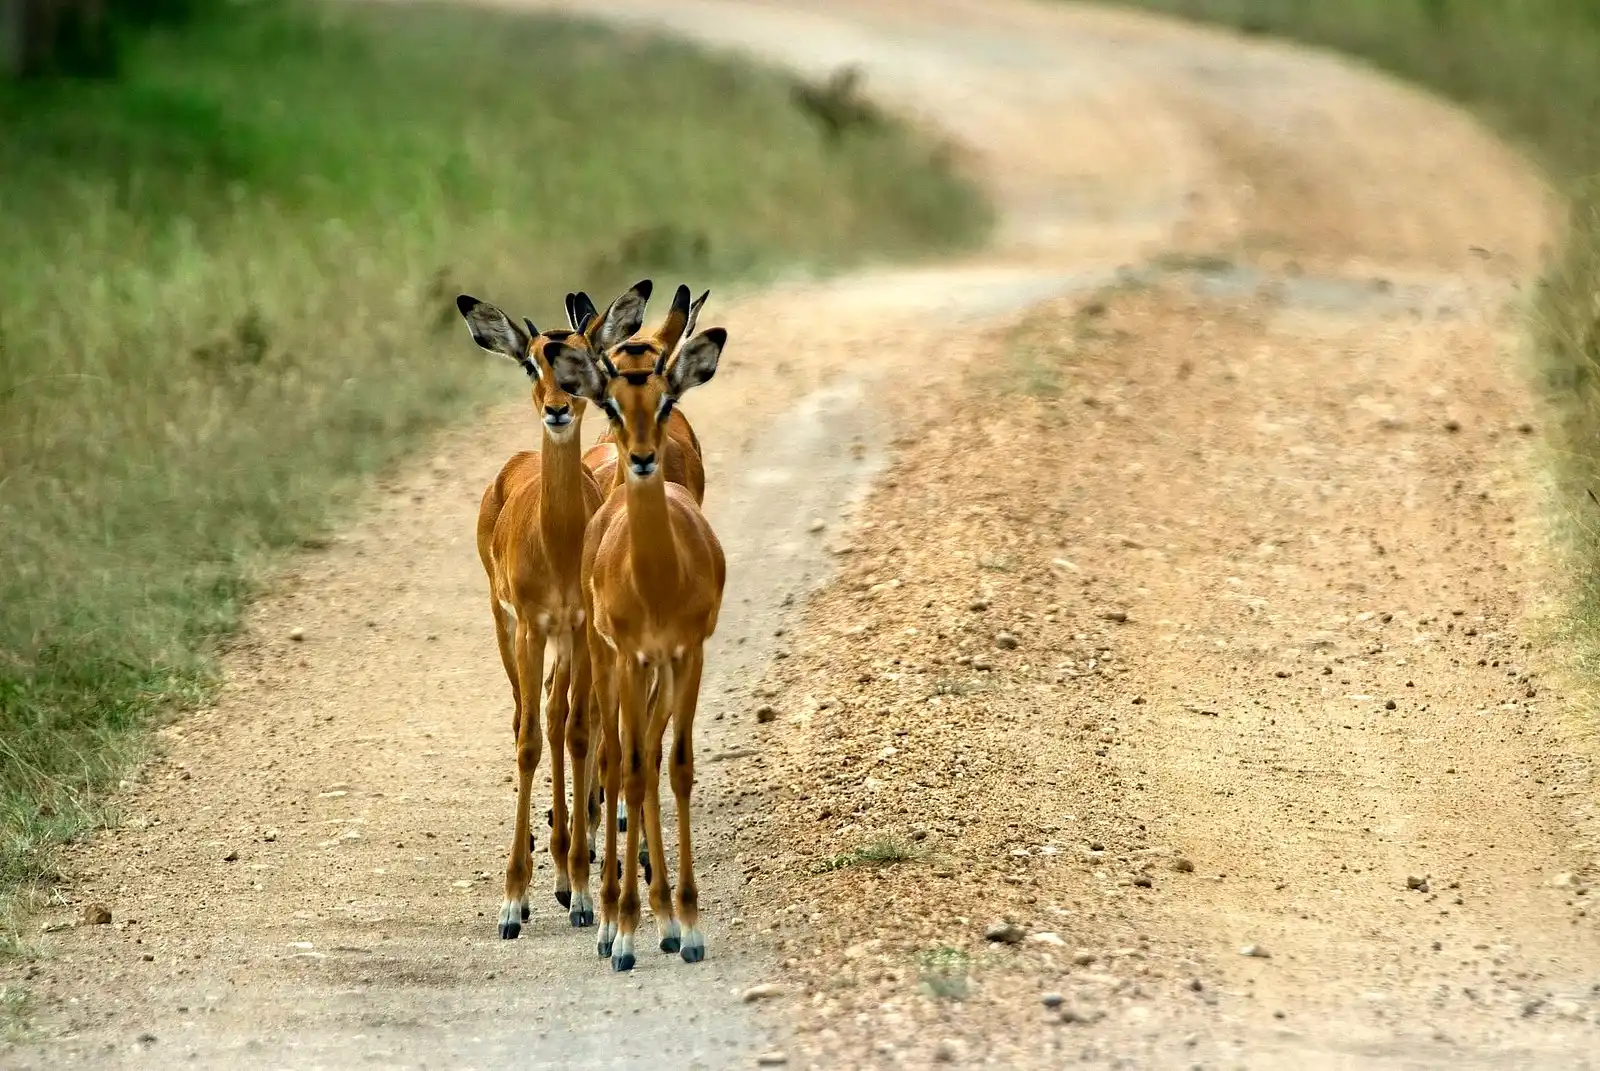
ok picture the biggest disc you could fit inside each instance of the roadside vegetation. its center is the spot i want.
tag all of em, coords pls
(1531, 68)
(226, 294)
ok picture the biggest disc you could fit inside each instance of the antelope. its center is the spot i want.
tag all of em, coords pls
(653, 571)
(682, 458)
(530, 530)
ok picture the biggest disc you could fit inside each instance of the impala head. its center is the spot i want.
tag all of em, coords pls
(636, 386)
(496, 332)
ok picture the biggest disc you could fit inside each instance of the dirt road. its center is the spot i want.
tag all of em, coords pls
(1195, 610)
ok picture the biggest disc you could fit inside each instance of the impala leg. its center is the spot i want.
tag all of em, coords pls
(578, 724)
(656, 872)
(519, 867)
(557, 709)
(607, 669)
(631, 708)
(505, 624)
(693, 940)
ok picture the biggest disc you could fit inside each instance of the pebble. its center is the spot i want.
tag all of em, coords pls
(1046, 937)
(978, 605)
(1006, 641)
(1419, 884)
(1255, 951)
(232, 856)
(764, 991)
(97, 915)
(1084, 1016)
(1083, 959)
(1096, 846)
(1143, 881)
(982, 665)
(1452, 425)
(945, 1051)
(1388, 704)
(1117, 616)
(772, 1059)
(1052, 1000)
(1564, 881)
(1005, 932)
(297, 634)
(1182, 865)
(817, 524)
(766, 712)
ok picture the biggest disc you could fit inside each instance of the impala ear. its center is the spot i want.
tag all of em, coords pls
(676, 326)
(622, 319)
(575, 373)
(697, 361)
(581, 312)
(493, 330)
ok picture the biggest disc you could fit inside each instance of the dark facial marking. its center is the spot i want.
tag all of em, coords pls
(637, 379)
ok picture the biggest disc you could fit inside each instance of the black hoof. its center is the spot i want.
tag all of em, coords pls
(619, 869)
(622, 963)
(510, 930)
(603, 949)
(622, 823)
(525, 913)
(564, 897)
(582, 918)
(694, 954)
(550, 817)
(669, 944)
(647, 873)
(533, 845)
(592, 856)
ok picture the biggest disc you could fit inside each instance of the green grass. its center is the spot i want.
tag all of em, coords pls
(226, 295)
(1531, 68)
(945, 973)
(878, 853)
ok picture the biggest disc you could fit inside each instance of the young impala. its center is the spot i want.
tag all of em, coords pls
(530, 532)
(653, 571)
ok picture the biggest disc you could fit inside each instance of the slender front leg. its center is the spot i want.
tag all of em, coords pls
(505, 638)
(693, 940)
(608, 669)
(656, 871)
(580, 845)
(631, 707)
(557, 708)
(519, 867)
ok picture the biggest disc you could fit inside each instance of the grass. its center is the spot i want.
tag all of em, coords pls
(226, 285)
(1531, 68)
(945, 973)
(887, 852)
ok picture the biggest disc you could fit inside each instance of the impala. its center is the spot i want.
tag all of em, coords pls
(653, 571)
(530, 533)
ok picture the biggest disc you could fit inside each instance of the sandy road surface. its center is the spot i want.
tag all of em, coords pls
(1258, 476)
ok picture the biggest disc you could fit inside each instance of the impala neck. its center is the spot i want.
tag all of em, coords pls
(653, 548)
(561, 476)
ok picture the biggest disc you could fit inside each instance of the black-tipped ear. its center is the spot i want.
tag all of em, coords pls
(493, 330)
(624, 317)
(575, 373)
(572, 315)
(533, 332)
(697, 362)
(583, 312)
(694, 316)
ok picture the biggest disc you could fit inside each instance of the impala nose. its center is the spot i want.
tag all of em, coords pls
(558, 416)
(642, 465)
